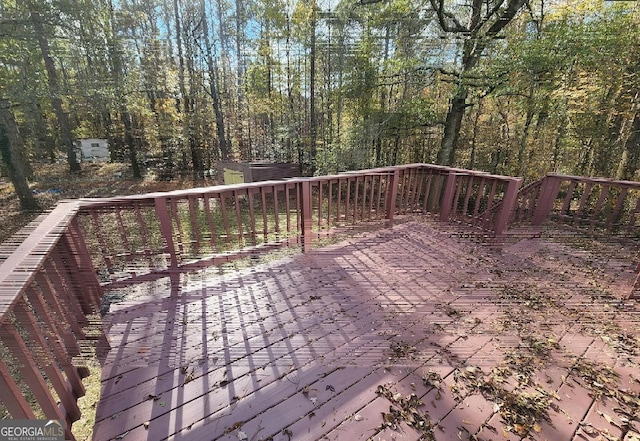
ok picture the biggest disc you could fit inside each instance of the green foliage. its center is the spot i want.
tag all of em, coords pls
(556, 92)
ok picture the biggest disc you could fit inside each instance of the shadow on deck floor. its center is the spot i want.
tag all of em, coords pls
(420, 331)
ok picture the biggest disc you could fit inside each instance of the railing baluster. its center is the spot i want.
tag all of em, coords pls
(30, 372)
(446, 204)
(178, 232)
(418, 192)
(392, 194)
(54, 301)
(456, 198)
(210, 223)
(144, 234)
(239, 224)
(81, 267)
(252, 219)
(58, 272)
(467, 196)
(492, 195)
(225, 221)
(57, 335)
(364, 198)
(481, 189)
(435, 196)
(12, 396)
(583, 201)
(276, 212)
(43, 357)
(372, 182)
(104, 251)
(379, 201)
(306, 215)
(195, 225)
(320, 207)
(604, 192)
(427, 192)
(632, 218)
(287, 207)
(265, 220)
(566, 203)
(329, 203)
(338, 202)
(617, 209)
(402, 190)
(347, 200)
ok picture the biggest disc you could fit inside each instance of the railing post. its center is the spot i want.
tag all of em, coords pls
(508, 204)
(446, 203)
(166, 229)
(306, 215)
(392, 193)
(546, 199)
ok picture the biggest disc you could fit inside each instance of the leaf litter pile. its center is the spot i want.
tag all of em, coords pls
(516, 385)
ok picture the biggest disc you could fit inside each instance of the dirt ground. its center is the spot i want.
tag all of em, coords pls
(53, 182)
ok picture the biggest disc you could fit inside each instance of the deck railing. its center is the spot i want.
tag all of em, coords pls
(593, 204)
(52, 280)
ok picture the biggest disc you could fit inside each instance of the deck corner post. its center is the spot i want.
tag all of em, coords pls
(166, 229)
(546, 198)
(306, 215)
(392, 193)
(446, 203)
(509, 201)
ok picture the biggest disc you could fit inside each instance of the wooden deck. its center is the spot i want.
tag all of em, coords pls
(419, 331)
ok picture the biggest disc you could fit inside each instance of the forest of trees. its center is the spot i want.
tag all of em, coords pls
(518, 87)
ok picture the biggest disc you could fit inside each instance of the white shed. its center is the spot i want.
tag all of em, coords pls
(93, 149)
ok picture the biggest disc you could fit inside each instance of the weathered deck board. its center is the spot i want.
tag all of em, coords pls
(297, 349)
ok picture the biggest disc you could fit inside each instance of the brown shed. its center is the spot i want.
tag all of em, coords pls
(241, 172)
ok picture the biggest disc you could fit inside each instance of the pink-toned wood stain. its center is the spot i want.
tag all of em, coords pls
(297, 349)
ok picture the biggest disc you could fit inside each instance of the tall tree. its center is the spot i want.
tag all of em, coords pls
(477, 25)
(223, 143)
(13, 157)
(54, 85)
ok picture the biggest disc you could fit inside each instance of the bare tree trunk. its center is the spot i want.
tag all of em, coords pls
(452, 125)
(213, 88)
(117, 73)
(125, 117)
(474, 139)
(11, 151)
(312, 91)
(632, 150)
(242, 118)
(54, 90)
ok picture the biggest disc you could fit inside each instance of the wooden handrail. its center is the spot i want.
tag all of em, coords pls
(593, 204)
(56, 277)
